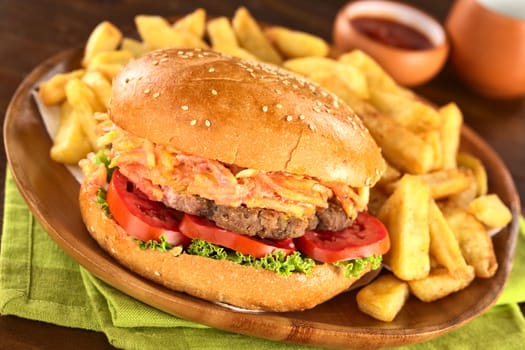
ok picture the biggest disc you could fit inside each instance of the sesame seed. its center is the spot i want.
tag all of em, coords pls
(155, 62)
(295, 86)
(301, 117)
(368, 181)
(317, 109)
(336, 103)
(157, 273)
(214, 92)
(252, 75)
(311, 127)
(184, 107)
(279, 106)
(157, 94)
(164, 59)
(207, 123)
(211, 70)
(265, 109)
(289, 118)
(193, 122)
(147, 91)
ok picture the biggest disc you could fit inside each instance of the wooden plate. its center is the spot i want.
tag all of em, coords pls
(51, 193)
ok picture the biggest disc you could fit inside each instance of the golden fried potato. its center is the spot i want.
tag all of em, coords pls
(476, 166)
(100, 86)
(440, 283)
(383, 298)
(294, 43)
(444, 246)
(252, 38)
(324, 70)
(70, 143)
(405, 215)
(490, 210)
(157, 33)
(408, 111)
(221, 33)
(401, 147)
(137, 48)
(474, 241)
(53, 91)
(85, 103)
(194, 23)
(105, 37)
(444, 183)
(450, 130)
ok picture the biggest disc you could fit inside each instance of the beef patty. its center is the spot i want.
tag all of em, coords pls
(265, 223)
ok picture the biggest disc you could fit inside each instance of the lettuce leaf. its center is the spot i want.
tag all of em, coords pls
(354, 267)
(277, 262)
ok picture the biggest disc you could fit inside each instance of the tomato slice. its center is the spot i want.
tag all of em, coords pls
(141, 217)
(367, 236)
(196, 227)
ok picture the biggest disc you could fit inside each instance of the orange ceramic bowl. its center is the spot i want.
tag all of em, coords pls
(409, 67)
(488, 46)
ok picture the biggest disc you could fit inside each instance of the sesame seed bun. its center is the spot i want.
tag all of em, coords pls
(217, 281)
(246, 113)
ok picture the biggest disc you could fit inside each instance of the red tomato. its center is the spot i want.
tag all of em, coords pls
(367, 236)
(139, 216)
(196, 227)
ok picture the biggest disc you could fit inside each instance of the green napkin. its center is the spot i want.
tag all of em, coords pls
(39, 281)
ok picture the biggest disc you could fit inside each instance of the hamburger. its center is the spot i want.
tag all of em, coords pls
(233, 181)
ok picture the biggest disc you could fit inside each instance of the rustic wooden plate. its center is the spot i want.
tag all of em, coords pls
(51, 193)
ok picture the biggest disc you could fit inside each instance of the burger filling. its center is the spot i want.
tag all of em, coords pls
(273, 205)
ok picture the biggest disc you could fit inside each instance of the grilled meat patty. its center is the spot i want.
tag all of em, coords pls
(265, 223)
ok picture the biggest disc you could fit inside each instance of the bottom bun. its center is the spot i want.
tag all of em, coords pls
(217, 281)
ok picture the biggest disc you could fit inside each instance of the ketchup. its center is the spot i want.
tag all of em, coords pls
(392, 33)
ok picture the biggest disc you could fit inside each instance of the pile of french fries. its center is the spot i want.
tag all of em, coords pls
(432, 198)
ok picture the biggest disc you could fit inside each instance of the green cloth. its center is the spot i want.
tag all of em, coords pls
(39, 281)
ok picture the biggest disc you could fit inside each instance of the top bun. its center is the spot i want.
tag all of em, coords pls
(246, 113)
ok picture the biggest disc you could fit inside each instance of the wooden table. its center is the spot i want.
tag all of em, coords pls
(31, 31)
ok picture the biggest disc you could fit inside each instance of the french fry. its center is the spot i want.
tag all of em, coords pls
(119, 57)
(70, 143)
(294, 43)
(405, 214)
(105, 37)
(85, 104)
(474, 241)
(377, 78)
(137, 48)
(223, 39)
(444, 246)
(476, 166)
(401, 147)
(433, 138)
(490, 210)
(324, 70)
(100, 86)
(157, 33)
(450, 130)
(252, 38)
(221, 33)
(443, 183)
(462, 199)
(194, 23)
(440, 283)
(383, 298)
(409, 112)
(53, 90)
